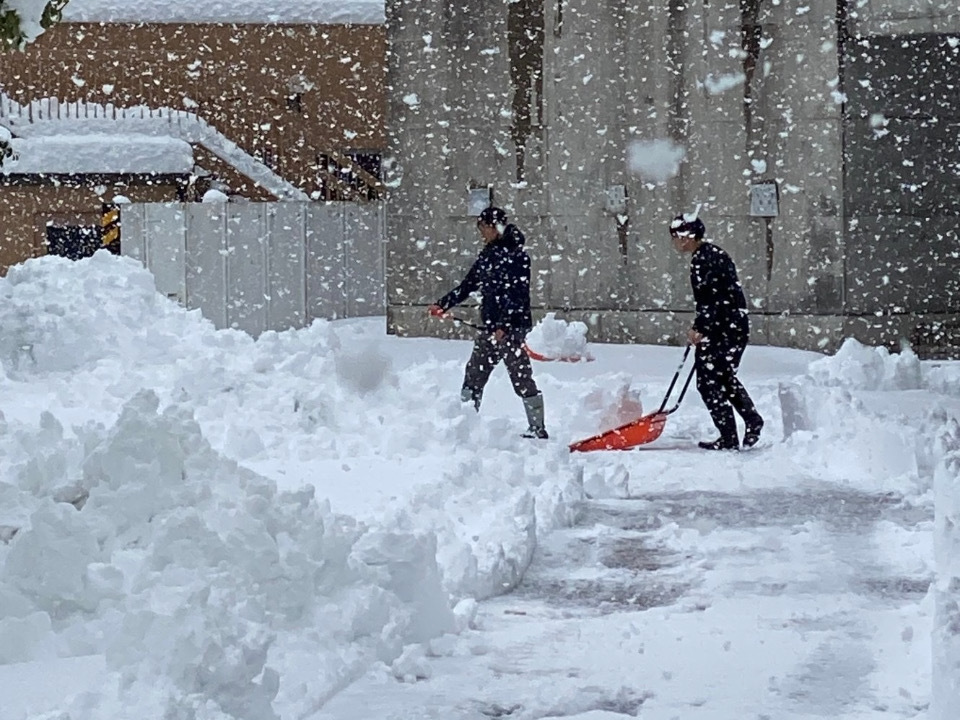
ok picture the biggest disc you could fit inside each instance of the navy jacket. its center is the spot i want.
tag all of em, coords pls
(721, 305)
(501, 274)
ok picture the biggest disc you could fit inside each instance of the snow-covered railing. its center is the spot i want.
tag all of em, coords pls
(48, 117)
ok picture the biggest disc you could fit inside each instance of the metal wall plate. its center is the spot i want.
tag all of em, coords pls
(764, 199)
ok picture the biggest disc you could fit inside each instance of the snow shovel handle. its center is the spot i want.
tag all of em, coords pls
(676, 376)
(463, 322)
(682, 392)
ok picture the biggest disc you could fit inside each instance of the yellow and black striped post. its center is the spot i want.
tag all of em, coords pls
(110, 227)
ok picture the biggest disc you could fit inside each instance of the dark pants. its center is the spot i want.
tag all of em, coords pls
(717, 363)
(487, 353)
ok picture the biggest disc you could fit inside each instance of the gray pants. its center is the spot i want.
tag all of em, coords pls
(487, 353)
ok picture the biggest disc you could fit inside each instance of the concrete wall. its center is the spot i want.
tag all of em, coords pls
(754, 91)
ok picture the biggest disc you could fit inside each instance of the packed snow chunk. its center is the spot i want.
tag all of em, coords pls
(33, 689)
(406, 565)
(465, 613)
(860, 367)
(612, 403)
(559, 340)
(215, 196)
(412, 664)
(655, 161)
(24, 639)
(47, 562)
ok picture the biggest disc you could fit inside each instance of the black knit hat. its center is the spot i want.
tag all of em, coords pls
(681, 225)
(492, 216)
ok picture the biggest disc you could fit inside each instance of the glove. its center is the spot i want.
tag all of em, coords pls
(436, 311)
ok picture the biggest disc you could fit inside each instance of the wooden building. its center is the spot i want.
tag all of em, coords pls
(296, 103)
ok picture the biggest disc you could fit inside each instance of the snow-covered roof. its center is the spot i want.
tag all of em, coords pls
(367, 12)
(48, 122)
(99, 153)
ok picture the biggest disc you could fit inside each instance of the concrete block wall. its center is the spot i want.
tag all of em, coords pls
(606, 75)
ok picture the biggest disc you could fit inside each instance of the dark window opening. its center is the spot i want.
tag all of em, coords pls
(75, 242)
(268, 156)
(350, 176)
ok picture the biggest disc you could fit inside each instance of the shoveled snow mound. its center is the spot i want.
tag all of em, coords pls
(558, 339)
(198, 587)
(859, 367)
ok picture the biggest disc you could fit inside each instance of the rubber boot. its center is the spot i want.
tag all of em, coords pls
(534, 408)
(744, 406)
(726, 423)
(471, 395)
(751, 435)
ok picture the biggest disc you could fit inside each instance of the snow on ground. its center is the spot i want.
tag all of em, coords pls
(194, 524)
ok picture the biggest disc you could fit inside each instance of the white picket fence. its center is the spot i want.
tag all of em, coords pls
(262, 266)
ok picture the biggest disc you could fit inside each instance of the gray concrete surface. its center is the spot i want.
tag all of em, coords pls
(540, 100)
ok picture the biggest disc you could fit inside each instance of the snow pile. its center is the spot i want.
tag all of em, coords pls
(946, 638)
(850, 437)
(942, 378)
(167, 546)
(858, 367)
(130, 534)
(194, 524)
(53, 311)
(559, 340)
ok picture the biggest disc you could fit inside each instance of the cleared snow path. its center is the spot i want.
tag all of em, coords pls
(783, 595)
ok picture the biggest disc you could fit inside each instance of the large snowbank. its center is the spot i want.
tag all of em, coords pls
(204, 589)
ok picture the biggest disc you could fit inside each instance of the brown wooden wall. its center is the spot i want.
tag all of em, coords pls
(240, 78)
(28, 206)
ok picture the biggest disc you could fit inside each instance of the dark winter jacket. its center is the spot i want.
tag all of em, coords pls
(501, 274)
(721, 305)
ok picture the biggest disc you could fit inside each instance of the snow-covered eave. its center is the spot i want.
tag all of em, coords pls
(232, 12)
(46, 118)
(113, 154)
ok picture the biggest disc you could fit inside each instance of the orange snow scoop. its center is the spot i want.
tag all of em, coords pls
(643, 430)
(534, 355)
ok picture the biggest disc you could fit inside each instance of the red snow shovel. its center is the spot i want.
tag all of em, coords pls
(533, 355)
(643, 430)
